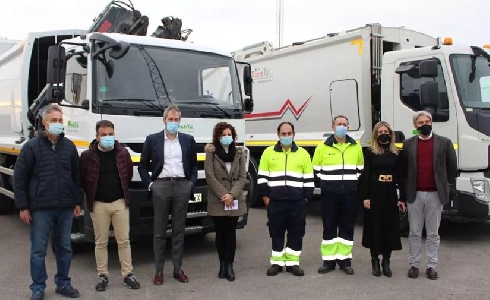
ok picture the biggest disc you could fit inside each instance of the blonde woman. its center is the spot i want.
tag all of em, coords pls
(377, 189)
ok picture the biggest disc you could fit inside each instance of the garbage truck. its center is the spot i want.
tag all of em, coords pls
(375, 73)
(114, 71)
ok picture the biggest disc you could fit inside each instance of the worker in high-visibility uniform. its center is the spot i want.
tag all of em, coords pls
(338, 163)
(286, 183)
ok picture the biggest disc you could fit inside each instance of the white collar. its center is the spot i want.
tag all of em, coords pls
(166, 137)
(425, 138)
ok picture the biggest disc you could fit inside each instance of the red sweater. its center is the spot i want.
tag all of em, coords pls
(425, 165)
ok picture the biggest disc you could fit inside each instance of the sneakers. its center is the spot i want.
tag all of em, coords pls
(413, 272)
(68, 291)
(102, 283)
(37, 295)
(432, 274)
(130, 282)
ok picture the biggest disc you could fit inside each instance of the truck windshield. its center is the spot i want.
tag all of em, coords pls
(472, 76)
(159, 76)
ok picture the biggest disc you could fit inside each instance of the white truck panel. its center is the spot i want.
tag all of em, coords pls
(317, 80)
(308, 83)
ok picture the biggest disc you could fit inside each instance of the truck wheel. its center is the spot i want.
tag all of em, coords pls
(252, 174)
(404, 226)
(6, 203)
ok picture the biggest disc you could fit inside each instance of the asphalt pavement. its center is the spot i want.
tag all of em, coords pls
(464, 268)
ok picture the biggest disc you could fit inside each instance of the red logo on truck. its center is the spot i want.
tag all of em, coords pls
(288, 105)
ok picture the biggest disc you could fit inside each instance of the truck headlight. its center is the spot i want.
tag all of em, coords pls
(481, 189)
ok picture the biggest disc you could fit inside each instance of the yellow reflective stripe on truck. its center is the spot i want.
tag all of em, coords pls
(134, 158)
(267, 143)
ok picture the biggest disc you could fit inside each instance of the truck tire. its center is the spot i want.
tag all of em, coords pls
(252, 175)
(6, 203)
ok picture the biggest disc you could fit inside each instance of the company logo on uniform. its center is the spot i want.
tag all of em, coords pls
(287, 106)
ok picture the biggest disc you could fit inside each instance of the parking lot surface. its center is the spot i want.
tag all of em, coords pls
(464, 268)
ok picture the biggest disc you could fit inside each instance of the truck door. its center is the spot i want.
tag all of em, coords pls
(407, 102)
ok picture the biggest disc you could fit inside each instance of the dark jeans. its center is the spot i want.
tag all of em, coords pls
(225, 237)
(59, 222)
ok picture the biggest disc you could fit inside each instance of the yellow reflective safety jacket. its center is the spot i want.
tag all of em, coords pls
(286, 175)
(338, 166)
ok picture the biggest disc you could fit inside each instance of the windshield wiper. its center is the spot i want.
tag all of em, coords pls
(148, 102)
(216, 106)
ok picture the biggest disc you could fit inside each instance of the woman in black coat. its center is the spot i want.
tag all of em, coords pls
(378, 191)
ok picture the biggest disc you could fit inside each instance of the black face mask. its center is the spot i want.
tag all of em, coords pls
(384, 138)
(425, 129)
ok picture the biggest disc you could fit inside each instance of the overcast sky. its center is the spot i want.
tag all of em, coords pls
(233, 24)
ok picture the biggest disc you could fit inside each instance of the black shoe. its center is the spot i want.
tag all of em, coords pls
(295, 270)
(37, 295)
(347, 270)
(230, 274)
(274, 270)
(68, 291)
(376, 268)
(386, 268)
(325, 268)
(222, 270)
(130, 281)
(102, 283)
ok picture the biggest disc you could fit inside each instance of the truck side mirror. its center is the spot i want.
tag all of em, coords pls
(428, 68)
(429, 94)
(55, 94)
(56, 65)
(248, 105)
(120, 50)
(247, 80)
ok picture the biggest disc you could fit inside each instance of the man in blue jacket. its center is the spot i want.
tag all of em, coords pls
(47, 194)
(171, 159)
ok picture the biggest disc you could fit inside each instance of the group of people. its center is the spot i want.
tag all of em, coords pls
(384, 179)
(49, 176)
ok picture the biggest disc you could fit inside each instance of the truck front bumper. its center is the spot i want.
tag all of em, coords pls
(141, 217)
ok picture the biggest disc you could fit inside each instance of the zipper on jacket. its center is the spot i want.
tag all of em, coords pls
(120, 178)
(55, 149)
(285, 169)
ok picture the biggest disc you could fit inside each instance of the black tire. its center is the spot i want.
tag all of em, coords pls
(252, 176)
(6, 203)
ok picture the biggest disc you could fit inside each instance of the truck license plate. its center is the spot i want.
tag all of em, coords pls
(197, 198)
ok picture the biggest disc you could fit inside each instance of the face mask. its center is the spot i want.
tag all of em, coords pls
(341, 131)
(384, 138)
(107, 142)
(286, 141)
(425, 129)
(226, 140)
(55, 128)
(172, 127)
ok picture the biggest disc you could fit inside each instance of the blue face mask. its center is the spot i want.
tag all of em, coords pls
(55, 128)
(226, 140)
(286, 141)
(107, 142)
(341, 131)
(172, 127)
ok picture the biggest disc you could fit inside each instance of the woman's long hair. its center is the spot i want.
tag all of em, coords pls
(375, 147)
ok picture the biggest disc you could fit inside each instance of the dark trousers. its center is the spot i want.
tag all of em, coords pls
(169, 197)
(339, 213)
(287, 216)
(225, 237)
(57, 222)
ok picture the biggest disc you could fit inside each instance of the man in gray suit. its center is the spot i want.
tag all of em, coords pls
(430, 165)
